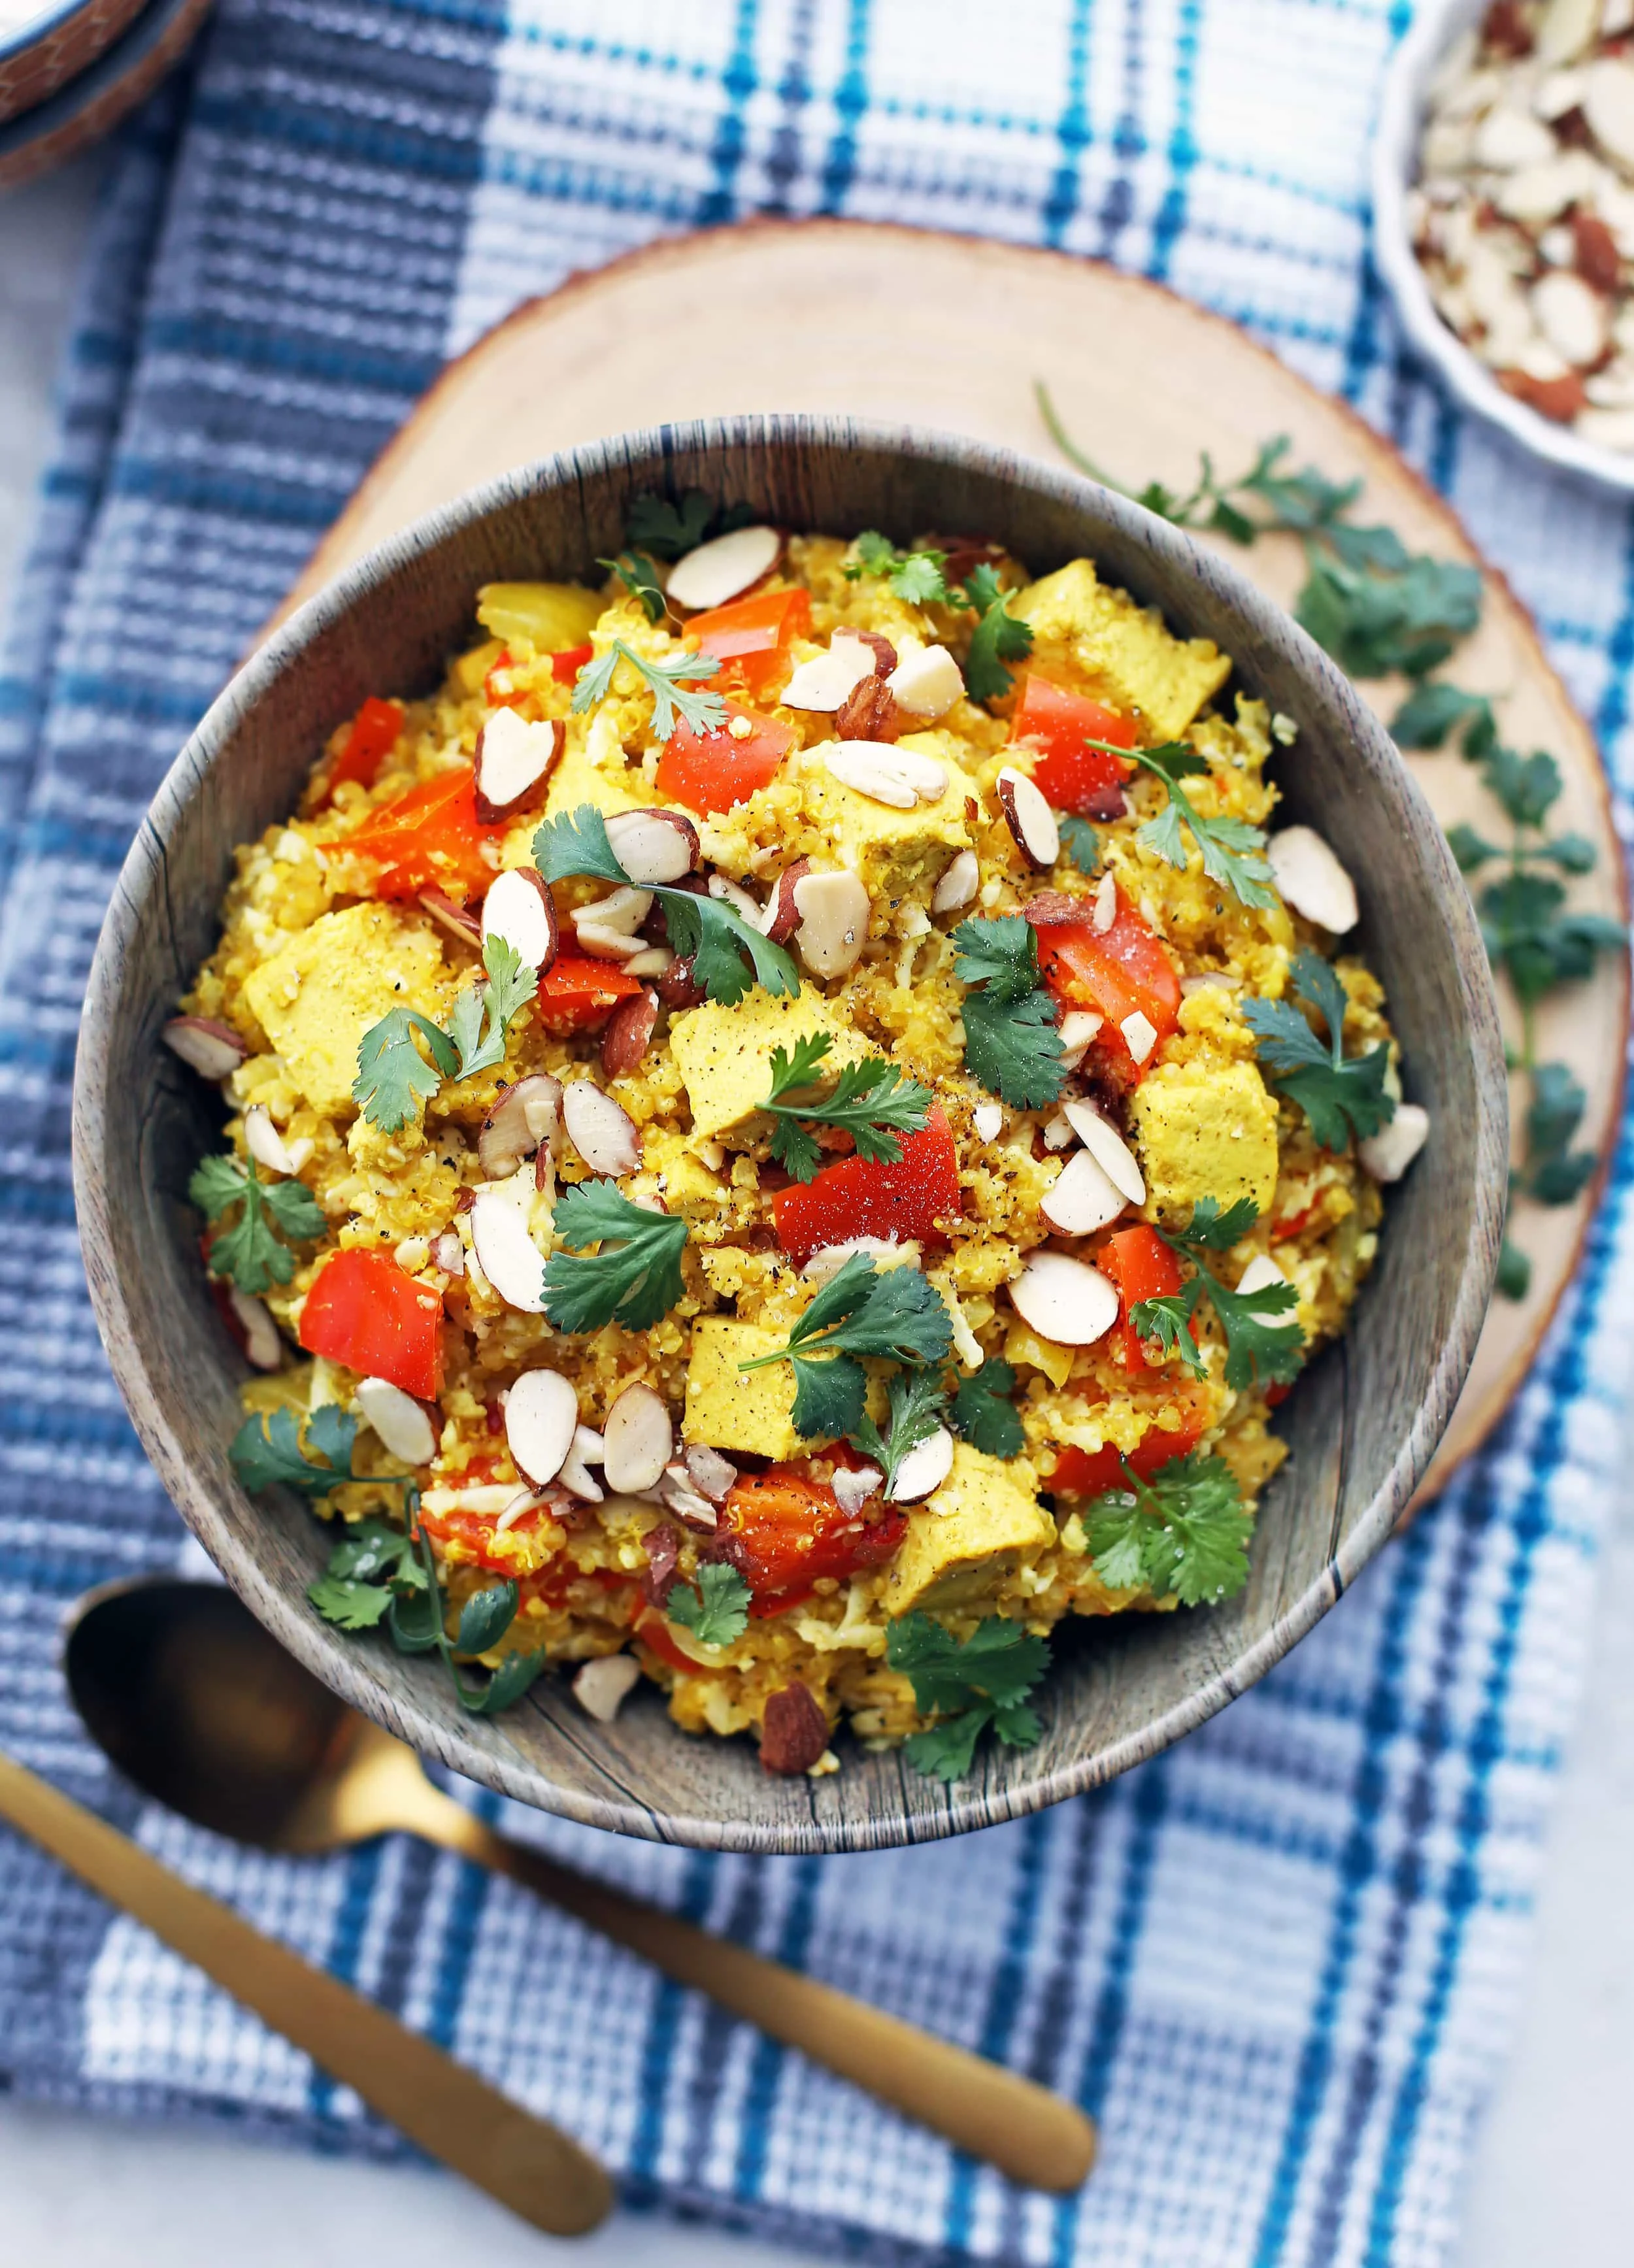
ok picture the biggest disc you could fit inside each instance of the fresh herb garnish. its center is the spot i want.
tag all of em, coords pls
(997, 638)
(1183, 1534)
(968, 1686)
(983, 1412)
(374, 1567)
(393, 1074)
(915, 575)
(872, 1102)
(667, 530)
(1340, 1095)
(717, 1610)
(635, 571)
(271, 1449)
(704, 712)
(728, 955)
(1232, 851)
(1263, 1343)
(1079, 842)
(634, 1280)
(859, 1312)
(1011, 1045)
(918, 1402)
(250, 1253)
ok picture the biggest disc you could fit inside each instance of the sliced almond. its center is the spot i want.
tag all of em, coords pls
(1509, 137)
(575, 1474)
(1084, 1199)
(1389, 1153)
(1063, 1299)
(711, 1474)
(688, 1504)
(639, 1438)
(506, 1254)
(924, 1468)
(1311, 880)
(514, 759)
(1078, 1029)
(447, 1253)
(1608, 106)
(834, 912)
(628, 1031)
(607, 927)
(854, 1485)
(1571, 316)
(724, 569)
(601, 1687)
(926, 681)
(988, 1118)
(828, 1259)
(1029, 819)
(1107, 1147)
(1105, 910)
(520, 909)
(781, 916)
(821, 685)
(602, 1132)
(655, 960)
(1565, 30)
(655, 846)
(607, 944)
(1140, 1035)
(734, 895)
(961, 880)
(526, 1115)
(263, 1349)
(211, 1048)
(267, 1146)
(460, 922)
(884, 772)
(1056, 1132)
(541, 1414)
(398, 1419)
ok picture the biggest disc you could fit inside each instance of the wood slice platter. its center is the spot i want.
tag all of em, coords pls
(850, 316)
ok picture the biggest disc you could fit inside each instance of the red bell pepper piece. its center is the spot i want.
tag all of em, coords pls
(365, 1312)
(791, 1529)
(1119, 972)
(854, 1197)
(1142, 1266)
(1058, 726)
(565, 666)
(710, 771)
(372, 738)
(429, 839)
(1092, 1472)
(750, 637)
(577, 993)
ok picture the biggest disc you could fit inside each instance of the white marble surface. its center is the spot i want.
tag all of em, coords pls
(1553, 2174)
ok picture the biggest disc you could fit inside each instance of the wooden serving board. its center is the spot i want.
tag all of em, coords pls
(849, 316)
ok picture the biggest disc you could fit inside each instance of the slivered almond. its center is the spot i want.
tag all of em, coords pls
(514, 759)
(607, 944)
(988, 1118)
(398, 1419)
(639, 1441)
(1084, 1199)
(794, 1732)
(834, 912)
(211, 1048)
(520, 909)
(1107, 1147)
(1389, 1153)
(653, 846)
(526, 1116)
(602, 1132)
(1029, 819)
(1078, 1028)
(688, 1503)
(926, 681)
(602, 1686)
(575, 1474)
(712, 1474)
(821, 685)
(1311, 880)
(1140, 1035)
(541, 1415)
(1106, 903)
(460, 922)
(961, 880)
(1063, 1299)
(781, 915)
(655, 960)
(1260, 1274)
(263, 1349)
(267, 1146)
(923, 1469)
(506, 1254)
(724, 569)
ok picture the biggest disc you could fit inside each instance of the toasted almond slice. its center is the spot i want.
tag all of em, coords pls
(263, 1349)
(781, 916)
(834, 912)
(1029, 819)
(211, 1048)
(266, 1145)
(1084, 1199)
(828, 1259)
(883, 772)
(961, 880)
(587, 1450)
(506, 1254)
(926, 681)
(1106, 903)
(603, 1133)
(924, 1468)
(688, 1504)
(602, 1686)
(514, 759)
(1311, 880)
(526, 1115)
(1057, 1132)
(821, 684)
(606, 944)
(724, 569)
(1108, 1149)
(854, 1485)
(1078, 1028)
(731, 894)
(525, 1501)
(1064, 1299)
(640, 1441)
(400, 1421)
(628, 1031)
(460, 922)
(519, 908)
(653, 846)
(988, 1118)
(1389, 1153)
(653, 961)
(712, 1474)
(1140, 1035)
(541, 1414)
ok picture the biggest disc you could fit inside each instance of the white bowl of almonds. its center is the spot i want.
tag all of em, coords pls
(1504, 218)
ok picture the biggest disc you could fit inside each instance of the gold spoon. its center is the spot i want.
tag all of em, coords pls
(525, 2162)
(198, 1705)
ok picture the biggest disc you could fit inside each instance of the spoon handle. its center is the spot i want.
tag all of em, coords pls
(1030, 2134)
(537, 2171)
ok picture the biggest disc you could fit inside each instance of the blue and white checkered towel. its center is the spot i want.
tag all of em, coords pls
(1279, 1963)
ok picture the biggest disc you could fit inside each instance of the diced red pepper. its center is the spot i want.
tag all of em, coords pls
(710, 771)
(750, 637)
(577, 993)
(365, 1312)
(1142, 1267)
(1058, 726)
(500, 690)
(1119, 972)
(1291, 1226)
(429, 839)
(854, 1197)
(653, 1632)
(792, 1530)
(372, 738)
(565, 666)
(1092, 1472)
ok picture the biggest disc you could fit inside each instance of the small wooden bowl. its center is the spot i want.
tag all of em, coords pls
(1362, 1423)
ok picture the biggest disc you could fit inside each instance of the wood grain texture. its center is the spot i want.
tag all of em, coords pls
(1365, 1420)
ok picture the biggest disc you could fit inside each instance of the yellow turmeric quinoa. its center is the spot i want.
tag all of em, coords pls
(1068, 1171)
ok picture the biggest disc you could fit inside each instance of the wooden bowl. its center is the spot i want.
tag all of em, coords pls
(46, 49)
(1362, 1423)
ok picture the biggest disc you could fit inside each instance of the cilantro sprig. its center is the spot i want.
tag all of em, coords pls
(920, 578)
(968, 1686)
(633, 1279)
(392, 1073)
(984, 1413)
(250, 1252)
(1341, 1095)
(918, 1404)
(1232, 851)
(666, 680)
(714, 1607)
(1183, 1534)
(1011, 1045)
(872, 1102)
(271, 1450)
(728, 955)
(895, 1314)
(1263, 1343)
(916, 576)
(635, 571)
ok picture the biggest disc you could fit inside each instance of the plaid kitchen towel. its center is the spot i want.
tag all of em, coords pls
(1279, 1963)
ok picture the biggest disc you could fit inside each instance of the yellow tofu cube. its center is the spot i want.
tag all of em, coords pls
(727, 1408)
(591, 769)
(895, 853)
(963, 1540)
(1119, 651)
(1206, 1129)
(317, 998)
(724, 1055)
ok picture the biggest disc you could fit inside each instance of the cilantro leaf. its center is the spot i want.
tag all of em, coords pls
(270, 1449)
(1341, 1095)
(577, 843)
(917, 1400)
(249, 1252)
(1014, 1051)
(635, 572)
(1167, 1319)
(1382, 610)
(665, 679)
(507, 1684)
(947, 1749)
(1262, 1340)
(633, 1279)
(915, 575)
(372, 1547)
(1263, 1343)
(1183, 1534)
(717, 1610)
(983, 1680)
(1212, 1230)
(861, 1311)
(349, 1604)
(486, 1617)
(983, 1412)
(656, 525)
(511, 985)
(1233, 853)
(1080, 842)
(872, 1102)
(999, 637)
(1000, 953)
(1550, 1169)
(1530, 935)
(393, 1074)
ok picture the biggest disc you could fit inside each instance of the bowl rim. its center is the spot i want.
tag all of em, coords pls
(33, 29)
(1394, 165)
(346, 1670)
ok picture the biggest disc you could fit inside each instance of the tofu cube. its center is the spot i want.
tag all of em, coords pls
(1206, 1129)
(592, 769)
(894, 853)
(966, 1537)
(729, 1408)
(1100, 639)
(724, 1055)
(317, 998)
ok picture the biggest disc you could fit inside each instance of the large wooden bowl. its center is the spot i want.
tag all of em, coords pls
(1362, 1423)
